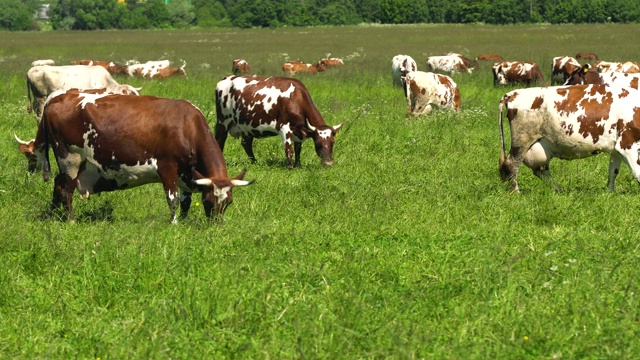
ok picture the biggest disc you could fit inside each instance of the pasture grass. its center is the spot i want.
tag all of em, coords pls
(408, 247)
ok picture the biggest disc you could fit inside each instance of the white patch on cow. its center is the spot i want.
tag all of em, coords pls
(272, 94)
(221, 193)
(86, 98)
(324, 134)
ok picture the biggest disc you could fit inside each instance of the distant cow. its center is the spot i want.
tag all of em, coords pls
(426, 89)
(295, 67)
(588, 75)
(448, 63)
(625, 67)
(570, 122)
(490, 57)
(253, 107)
(465, 60)
(400, 66)
(43, 62)
(331, 62)
(512, 72)
(148, 69)
(586, 56)
(105, 142)
(563, 66)
(166, 72)
(240, 67)
(43, 80)
(112, 67)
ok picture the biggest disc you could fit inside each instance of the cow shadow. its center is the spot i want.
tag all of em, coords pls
(98, 212)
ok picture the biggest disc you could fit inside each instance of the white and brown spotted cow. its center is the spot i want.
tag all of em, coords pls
(425, 90)
(451, 64)
(570, 122)
(240, 67)
(400, 66)
(146, 70)
(513, 72)
(255, 107)
(563, 66)
(625, 67)
(588, 75)
(106, 142)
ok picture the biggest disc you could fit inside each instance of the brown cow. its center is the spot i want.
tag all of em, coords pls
(587, 56)
(254, 107)
(490, 57)
(112, 67)
(240, 67)
(294, 67)
(510, 72)
(106, 142)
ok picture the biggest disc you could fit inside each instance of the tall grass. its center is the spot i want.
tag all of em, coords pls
(408, 247)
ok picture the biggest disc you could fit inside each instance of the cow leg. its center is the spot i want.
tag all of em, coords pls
(169, 178)
(221, 135)
(247, 144)
(185, 203)
(614, 169)
(63, 190)
(297, 149)
(285, 135)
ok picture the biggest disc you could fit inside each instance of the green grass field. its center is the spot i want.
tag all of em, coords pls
(409, 247)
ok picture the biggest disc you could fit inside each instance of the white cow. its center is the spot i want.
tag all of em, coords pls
(426, 89)
(586, 75)
(43, 80)
(400, 66)
(570, 122)
(43, 62)
(625, 67)
(148, 69)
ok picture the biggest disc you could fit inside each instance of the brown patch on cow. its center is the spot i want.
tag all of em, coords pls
(634, 83)
(537, 103)
(630, 133)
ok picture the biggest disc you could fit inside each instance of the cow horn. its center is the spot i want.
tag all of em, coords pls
(20, 141)
(204, 182)
(236, 182)
(311, 127)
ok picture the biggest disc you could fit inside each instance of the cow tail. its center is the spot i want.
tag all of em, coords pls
(44, 135)
(500, 122)
(29, 108)
(407, 92)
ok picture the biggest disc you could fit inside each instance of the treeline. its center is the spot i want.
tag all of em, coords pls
(139, 14)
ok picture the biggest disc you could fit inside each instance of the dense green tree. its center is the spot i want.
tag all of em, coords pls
(182, 13)
(17, 15)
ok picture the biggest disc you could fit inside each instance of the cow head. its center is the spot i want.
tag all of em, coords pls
(584, 75)
(35, 159)
(323, 137)
(499, 77)
(217, 193)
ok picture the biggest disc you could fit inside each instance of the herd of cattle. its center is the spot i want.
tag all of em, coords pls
(105, 136)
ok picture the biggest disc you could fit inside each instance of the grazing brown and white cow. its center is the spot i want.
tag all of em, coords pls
(470, 64)
(105, 142)
(448, 63)
(489, 57)
(43, 80)
(42, 62)
(587, 56)
(570, 122)
(511, 72)
(625, 67)
(563, 66)
(147, 69)
(331, 62)
(166, 72)
(400, 66)
(424, 90)
(588, 75)
(295, 67)
(254, 107)
(112, 67)
(240, 67)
